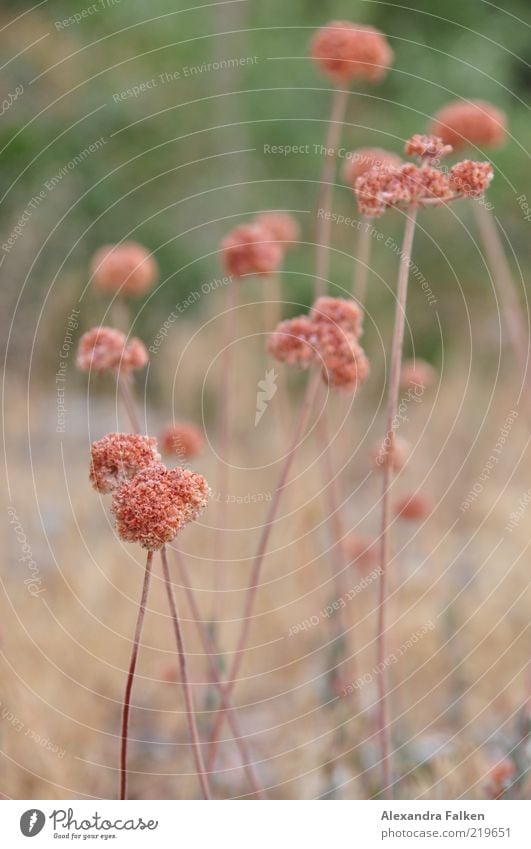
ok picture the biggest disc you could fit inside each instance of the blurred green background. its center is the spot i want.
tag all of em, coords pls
(183, 161)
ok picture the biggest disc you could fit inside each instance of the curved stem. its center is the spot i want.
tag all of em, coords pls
(252, 589)
(515, 324)
(189, 703)
(326, 189)
(131, 676)
(383, 728)
(210, 650)
(361, 266)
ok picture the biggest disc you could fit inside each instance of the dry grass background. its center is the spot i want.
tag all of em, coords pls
(456, 693)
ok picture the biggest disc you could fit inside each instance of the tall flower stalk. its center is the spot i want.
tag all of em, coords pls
(124, 737)
(183, 666)
(383, 728)
(407, 187)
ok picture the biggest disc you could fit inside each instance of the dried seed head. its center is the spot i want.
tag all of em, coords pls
(471, 179)
(182, 440)
(414, 508)
(106, 349)
(282, 226)
(118, 457)
(346, 314)
(417, 374)
(470, 123)
(294, 342)
(362, 160)
(380, 188)
(128, 268)
(393, 452)
(346, 51)
(250, 249)
(427, 147)
(344, 364)
(157, 503)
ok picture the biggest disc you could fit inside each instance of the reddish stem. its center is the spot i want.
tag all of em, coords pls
(131, 676)
(252, 589)
(515, 324)
(210, 650)
(361, 266)
(188, 699)
(383, 728)
(326, 189)
(124, 390)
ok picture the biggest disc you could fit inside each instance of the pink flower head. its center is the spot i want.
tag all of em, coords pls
(427, 147)
(383, 455)
(362, 160)
(501, 776)
(128, 268)
(282, 226)
(157, 503)
(417, 374)
(118, 457)
(344, 364)
(414, 508)
(251, 249)
(346, 314)
(471, 179)
(475, 122)
(106, 349)
(182, 439)
(361, 551)
(346, 51)
(380, 188)
(293, 342)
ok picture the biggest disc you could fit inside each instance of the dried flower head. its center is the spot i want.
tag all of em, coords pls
(251, 249)
(475, 122)
(128, 267)
(106, 349)
(118, 457)
(157, 503)
(294, 342)
(343, 360)
(346, 314)
(282, 226)
(393, 452)
(362, 160)
(347, 51)
(471, 179)
(417, 374)
(414, 507)
(427, 147)
(380, 188)
(183, 440)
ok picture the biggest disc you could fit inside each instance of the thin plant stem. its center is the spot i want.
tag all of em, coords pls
(223, 470)
(361, 266)
(210, 650)
(337, 528)
(512, 314)
(259, 557)
(131, 676)
(188, 699)
(126, 395)
(326, 189)
(383, 727)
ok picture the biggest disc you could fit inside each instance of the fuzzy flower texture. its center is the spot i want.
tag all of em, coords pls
(404, 186)
(107, 349)
(151, 503)
(347, 51)
(328, 337)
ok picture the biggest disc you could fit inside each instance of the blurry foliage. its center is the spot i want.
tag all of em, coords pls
(173, 154)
